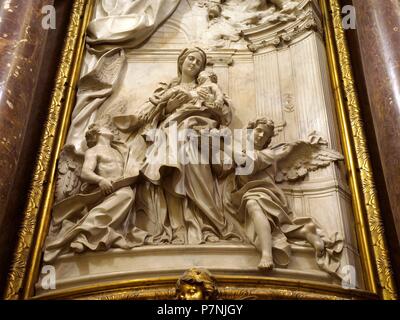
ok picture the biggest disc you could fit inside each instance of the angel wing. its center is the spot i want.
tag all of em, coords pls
(69, 170)
(106, 72)
(303, 157)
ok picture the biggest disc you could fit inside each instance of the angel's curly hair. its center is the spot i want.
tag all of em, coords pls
(94, 130)
(268, 123)
(263, 121)
(202, 278)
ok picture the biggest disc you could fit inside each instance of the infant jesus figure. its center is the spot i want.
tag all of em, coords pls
(208, 82)
(206, 94)
(203, 95)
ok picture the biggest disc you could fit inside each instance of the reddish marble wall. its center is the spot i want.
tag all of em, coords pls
(378, 42)
(21, 49)
(29, 58)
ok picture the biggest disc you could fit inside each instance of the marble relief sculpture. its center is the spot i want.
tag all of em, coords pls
(262, 208)
(94, 220)
(131, 192)
(203, 135)
(227, 18)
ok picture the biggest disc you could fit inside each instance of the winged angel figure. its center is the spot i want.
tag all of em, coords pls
(261, 206)
(99, 197)
(94, 88)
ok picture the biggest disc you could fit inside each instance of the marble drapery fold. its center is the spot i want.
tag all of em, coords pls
(117, 24)
(186, 184)
(96, 227)
(127, 23)
(93, 90)
(261, 187)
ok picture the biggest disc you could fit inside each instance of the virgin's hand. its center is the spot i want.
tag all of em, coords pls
(106, 186)
(177, 100)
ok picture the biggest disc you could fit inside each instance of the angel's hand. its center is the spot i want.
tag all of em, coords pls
(214, 132)
(288, 148)
(219, 104)
(106, 186)
(240, 158)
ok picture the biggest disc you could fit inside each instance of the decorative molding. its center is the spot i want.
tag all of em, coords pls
(229, 287)
(284, 33)
(386, 285)
(19, 269)
(241, 287)
(220, 61)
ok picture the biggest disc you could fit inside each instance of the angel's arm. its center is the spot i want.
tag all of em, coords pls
(88, 174)
(89, 167)
(255, 161)
(283, 152)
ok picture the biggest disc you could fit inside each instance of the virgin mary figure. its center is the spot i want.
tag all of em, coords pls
(180, 191)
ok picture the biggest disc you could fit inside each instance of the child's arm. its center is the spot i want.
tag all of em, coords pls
(219, 96)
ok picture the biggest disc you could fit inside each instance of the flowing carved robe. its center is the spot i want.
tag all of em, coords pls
(261, 187)
(185, 191)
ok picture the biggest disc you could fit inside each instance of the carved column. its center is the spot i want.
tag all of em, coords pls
(378, 30)
(293, 88)
(28, 62)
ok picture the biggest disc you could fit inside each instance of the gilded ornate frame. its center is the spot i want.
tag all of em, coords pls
(370, 232)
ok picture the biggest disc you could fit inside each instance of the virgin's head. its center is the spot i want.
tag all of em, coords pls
(191, 62)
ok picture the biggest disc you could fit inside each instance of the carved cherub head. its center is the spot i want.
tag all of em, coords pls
(196, 284)
(214, 10)
(205, 76)
(263, 131)
(95, 130)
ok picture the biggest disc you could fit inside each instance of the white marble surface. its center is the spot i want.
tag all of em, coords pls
(286, 81)
(151, 262)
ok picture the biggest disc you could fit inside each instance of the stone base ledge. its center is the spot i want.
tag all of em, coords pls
(149, 262)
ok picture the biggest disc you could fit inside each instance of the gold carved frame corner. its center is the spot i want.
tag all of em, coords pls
(370, 230)
(36, 219)
(370, 233)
